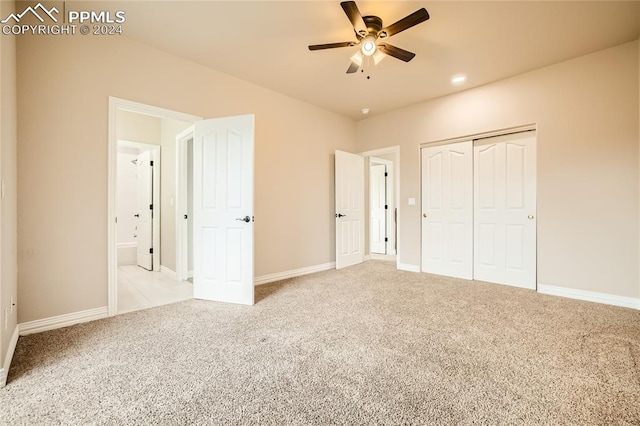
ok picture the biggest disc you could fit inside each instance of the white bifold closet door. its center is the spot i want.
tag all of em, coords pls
(504, 210)
(447, 210)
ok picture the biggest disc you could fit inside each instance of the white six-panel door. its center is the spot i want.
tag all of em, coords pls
(349, 194)
(447, 210)
(223, 209)
(144, 228)
(378, 200)
(505, 209)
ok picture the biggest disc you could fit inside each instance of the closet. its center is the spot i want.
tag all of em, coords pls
(479, 209)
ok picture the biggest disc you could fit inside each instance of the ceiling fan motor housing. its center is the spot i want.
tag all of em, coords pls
(374, 25)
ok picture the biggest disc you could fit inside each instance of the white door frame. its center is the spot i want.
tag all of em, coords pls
(155, 157)
(182, 240)
(116, 104)
(396, 188)
(390, 203)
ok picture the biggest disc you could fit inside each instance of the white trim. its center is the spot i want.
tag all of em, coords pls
(181, 204)
(293, 273)
(501, 132)
(389, 150)
(367, 257)
(167, 271)
(116, 104)
(396, 182)
(65, 320)
(4, 371)
(409, 268)
(590, 296)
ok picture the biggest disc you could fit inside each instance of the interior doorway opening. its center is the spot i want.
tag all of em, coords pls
(383, 190)
(382, 224)
(141, 208)
(137, 205)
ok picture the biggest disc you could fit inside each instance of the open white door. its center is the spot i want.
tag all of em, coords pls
(144, 230)
(378, 207)
(349, 194)
(223, 209)
(447, 210)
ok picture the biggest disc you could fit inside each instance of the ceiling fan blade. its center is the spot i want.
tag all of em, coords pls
(353, 67)
(396, 52)
(407, 22)
(351, 10)
(331, 45)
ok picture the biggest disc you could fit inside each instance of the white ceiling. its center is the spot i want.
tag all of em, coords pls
(265, 42)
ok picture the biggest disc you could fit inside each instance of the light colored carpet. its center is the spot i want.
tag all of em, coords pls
(364, 345)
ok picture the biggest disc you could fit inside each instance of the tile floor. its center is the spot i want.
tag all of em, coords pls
(142, 289)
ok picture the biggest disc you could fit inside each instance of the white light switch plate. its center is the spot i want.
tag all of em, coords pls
(412, 201)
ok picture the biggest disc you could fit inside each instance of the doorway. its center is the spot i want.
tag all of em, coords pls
(149, 130)
(138, 198)
(377, 220)
(382, 227)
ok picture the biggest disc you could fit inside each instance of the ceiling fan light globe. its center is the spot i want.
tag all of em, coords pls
(368, 46)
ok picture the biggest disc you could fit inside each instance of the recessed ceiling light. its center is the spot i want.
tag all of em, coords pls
(365, 111)
(458, 79)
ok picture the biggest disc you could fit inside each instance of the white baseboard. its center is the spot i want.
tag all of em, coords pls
(293, 273)
(4, 371)
(409, 268)
(367, 257)
(63, 320)
(590, 296)
(167, 271)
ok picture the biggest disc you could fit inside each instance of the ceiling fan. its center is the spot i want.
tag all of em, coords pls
(369, 31)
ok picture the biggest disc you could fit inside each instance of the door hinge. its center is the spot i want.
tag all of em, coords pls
(150, 206)
(386, 207)
(151, 251)
(151, 163)
(386, 174)
(386, 240)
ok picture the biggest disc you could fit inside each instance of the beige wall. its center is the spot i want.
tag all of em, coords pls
(63, 95)
(586, 112)
(8, 218)
(133, 127)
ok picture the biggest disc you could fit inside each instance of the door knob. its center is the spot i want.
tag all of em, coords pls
(244, 219)
(424, 215)
(530, 217)
(340, 215)
(136, 215)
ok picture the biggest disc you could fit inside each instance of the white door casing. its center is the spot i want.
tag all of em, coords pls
(447, 210)
(223, 209)
(144, 229)
(183, 238)
(505, 210)
(377, 207)
(349, 195)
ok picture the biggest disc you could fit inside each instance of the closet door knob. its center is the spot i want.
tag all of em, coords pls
(530, 217)
(424, 215)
